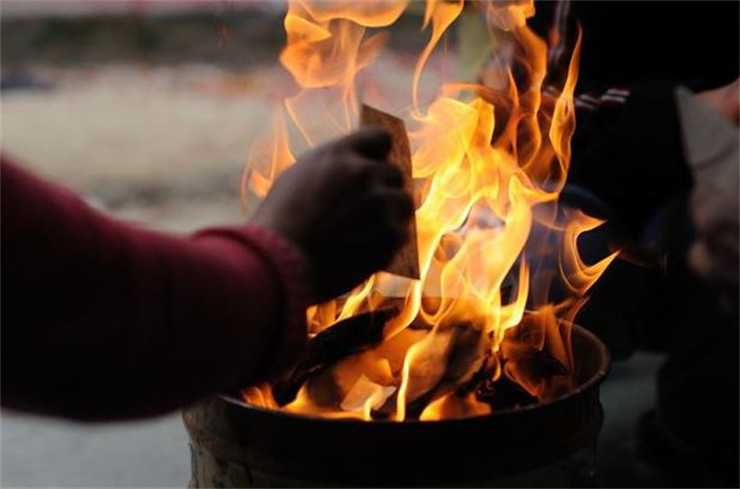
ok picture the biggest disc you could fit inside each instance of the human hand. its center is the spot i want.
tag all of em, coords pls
(343, 206)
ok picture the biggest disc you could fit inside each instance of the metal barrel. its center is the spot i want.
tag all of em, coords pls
(550, 444)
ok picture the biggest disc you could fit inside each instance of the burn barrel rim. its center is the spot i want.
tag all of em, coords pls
(603, 356)
(236, 444)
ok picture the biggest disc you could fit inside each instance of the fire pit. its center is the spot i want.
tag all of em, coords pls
(460, 363)
(550, 444)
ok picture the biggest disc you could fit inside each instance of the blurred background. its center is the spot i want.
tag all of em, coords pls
(148, 109)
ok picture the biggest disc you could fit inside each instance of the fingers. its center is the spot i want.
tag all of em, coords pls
(344, 206)
(398, 204)
(373, 143)
(366, 157)
(364, 174)
(390, 211)
(389, 175)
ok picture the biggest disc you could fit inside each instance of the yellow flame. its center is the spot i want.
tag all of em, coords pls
(509, 15)
(578, 276)
(441, 14)
(488, 164)
(453, 406)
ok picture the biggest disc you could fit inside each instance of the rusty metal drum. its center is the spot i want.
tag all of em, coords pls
(550, 444)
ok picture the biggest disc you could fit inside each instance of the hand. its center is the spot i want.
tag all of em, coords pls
(343, 206)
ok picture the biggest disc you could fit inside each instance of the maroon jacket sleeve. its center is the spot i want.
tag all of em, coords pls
(102, 320)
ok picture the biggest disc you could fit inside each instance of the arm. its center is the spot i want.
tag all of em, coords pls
(103, 320)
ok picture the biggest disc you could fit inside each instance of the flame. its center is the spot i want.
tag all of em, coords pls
(441, 15)
(453, 406)
(489, 162)
(509, 15)
(578, 276)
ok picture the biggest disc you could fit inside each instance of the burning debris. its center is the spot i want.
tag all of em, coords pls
(475, 314)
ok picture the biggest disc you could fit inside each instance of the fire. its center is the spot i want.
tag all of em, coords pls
(489, 163)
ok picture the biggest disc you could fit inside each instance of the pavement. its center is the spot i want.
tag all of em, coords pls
(626, 395)
(41, 452)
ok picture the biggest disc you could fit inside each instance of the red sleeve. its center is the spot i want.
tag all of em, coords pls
(101, 320)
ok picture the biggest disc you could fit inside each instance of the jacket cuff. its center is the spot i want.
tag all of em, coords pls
(287, 265)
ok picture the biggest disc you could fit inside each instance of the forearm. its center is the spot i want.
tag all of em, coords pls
(102, 320)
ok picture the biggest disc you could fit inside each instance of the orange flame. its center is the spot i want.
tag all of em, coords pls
(488, 163)
(441, 15)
